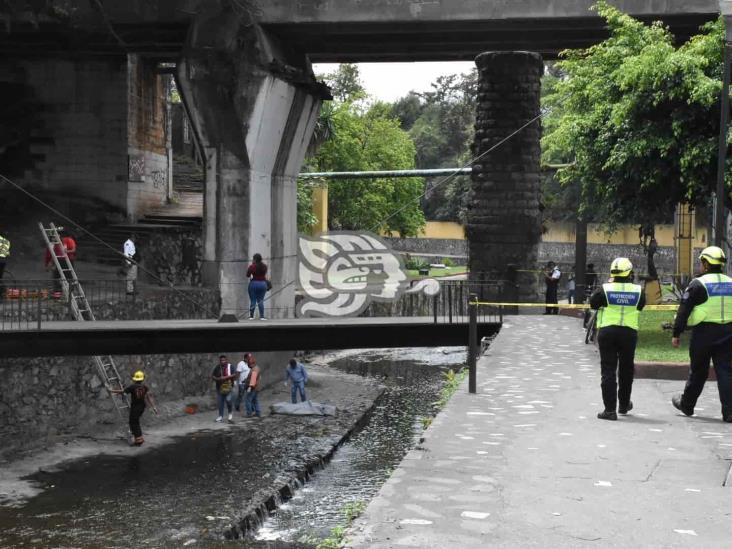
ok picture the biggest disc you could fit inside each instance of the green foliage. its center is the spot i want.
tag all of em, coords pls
(637, 118)
(305, 217)
(345, 83)
(414, 264)
(452, 381)
(447, 262)
(441, 124)
(336, 539)
(370, 140)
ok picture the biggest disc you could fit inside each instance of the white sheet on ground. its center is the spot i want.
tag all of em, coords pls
(308, 408)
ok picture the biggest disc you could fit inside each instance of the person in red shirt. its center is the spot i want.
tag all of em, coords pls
(70, 245)
(258, 285)
(51, 266)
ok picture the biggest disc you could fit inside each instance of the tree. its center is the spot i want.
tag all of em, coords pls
(637, 118)
(345, 83)
(370, 140)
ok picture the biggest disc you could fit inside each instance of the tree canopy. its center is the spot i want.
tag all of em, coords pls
(637, 119)
(362, 137)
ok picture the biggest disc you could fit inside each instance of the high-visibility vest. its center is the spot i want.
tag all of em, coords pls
(622, 302)
(717, 309)
(4, 247)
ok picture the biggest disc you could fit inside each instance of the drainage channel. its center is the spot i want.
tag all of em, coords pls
(357, 470)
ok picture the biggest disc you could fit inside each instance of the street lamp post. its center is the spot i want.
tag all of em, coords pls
(720, 217)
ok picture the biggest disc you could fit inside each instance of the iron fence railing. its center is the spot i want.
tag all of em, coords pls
(28, 304)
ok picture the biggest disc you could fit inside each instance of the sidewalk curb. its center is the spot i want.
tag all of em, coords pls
(675, 371)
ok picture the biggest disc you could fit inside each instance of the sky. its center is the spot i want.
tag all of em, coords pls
(390, 81)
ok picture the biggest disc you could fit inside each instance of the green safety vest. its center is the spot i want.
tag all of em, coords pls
(4, 247)
(717, 309)
(622, 302)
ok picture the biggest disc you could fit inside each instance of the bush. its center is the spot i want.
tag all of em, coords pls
(416, 264)
(447, 262)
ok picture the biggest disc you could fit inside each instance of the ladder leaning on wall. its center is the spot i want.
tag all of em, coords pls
(73, 293)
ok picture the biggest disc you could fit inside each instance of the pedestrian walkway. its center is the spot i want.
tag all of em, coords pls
(526, 463)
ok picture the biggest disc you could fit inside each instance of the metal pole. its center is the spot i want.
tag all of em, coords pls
(580, 260)
(720, 219)
(472, 342)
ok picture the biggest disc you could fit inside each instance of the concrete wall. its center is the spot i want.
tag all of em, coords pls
(76, 124)
(148, 148)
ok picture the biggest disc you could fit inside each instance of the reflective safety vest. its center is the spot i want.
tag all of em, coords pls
(4, 247)
(717, 309)
(622, 302)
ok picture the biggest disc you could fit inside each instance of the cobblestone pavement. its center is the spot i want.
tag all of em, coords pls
(526, 463)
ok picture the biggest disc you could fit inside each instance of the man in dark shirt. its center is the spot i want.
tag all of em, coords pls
(707, 306)
(551, 276)
(139, 396)
(224, 374)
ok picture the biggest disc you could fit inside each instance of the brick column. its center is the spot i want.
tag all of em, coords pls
(504, 224)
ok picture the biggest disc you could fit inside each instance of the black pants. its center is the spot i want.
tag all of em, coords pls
(135, 414)
(617, 355)
(551, 297)
(710, 342)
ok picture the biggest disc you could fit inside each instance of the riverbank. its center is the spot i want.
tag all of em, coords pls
(83, 490)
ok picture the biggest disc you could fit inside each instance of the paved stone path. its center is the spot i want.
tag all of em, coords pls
(526, 463)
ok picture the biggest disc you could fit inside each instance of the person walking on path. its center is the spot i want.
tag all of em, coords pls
(552, 274)
(707, 306)
(224, 375)
(618, 304)
(571, 289)
(139, 397)
(252, 400)
(243, 370)
(298, 376)
(590, 277)
(258, 286)
(4, 254)
(130, 264)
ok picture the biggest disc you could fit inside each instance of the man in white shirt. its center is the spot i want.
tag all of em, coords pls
(130, 264)
(551, 277)
(243, 370)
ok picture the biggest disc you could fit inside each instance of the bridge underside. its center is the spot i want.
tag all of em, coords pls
(455, 40)
(160, 337)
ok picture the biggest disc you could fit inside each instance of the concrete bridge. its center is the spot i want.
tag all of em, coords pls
(87, 81)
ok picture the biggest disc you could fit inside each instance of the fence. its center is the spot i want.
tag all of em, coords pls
(28, 304)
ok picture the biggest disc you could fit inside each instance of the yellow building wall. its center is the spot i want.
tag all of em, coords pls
(439, 229)
(627, 234)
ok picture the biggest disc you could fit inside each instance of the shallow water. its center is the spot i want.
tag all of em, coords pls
(187, 493)
(362, 465)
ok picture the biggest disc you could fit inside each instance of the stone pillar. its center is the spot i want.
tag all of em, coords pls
(504, 224)
(253, 115)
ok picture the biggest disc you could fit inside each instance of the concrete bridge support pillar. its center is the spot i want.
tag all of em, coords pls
(254, 114)
(504, 225)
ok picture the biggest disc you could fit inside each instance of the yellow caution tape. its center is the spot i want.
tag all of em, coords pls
(670, 307)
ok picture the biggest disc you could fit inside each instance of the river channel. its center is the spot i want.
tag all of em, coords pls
(182, 494)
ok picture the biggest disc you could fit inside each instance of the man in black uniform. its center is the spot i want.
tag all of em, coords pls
(551, 276)
(707, 306)
(618, 305)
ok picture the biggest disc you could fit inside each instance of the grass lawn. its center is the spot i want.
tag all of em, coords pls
(459, 269)
(654, 343)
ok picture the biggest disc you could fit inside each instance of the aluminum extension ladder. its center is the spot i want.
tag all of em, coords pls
(73, 293)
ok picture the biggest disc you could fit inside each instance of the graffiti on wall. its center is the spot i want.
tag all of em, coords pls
(136, 167)
(159, 179)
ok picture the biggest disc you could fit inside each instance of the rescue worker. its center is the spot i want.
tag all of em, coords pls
(139, 396)
(707, 306)
(4, 254)
(618, 303)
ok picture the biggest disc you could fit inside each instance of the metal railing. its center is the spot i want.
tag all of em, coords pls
(28, 304)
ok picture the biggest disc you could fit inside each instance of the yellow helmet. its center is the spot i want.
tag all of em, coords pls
(138, 376)
(713, 255)
(621, 266)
